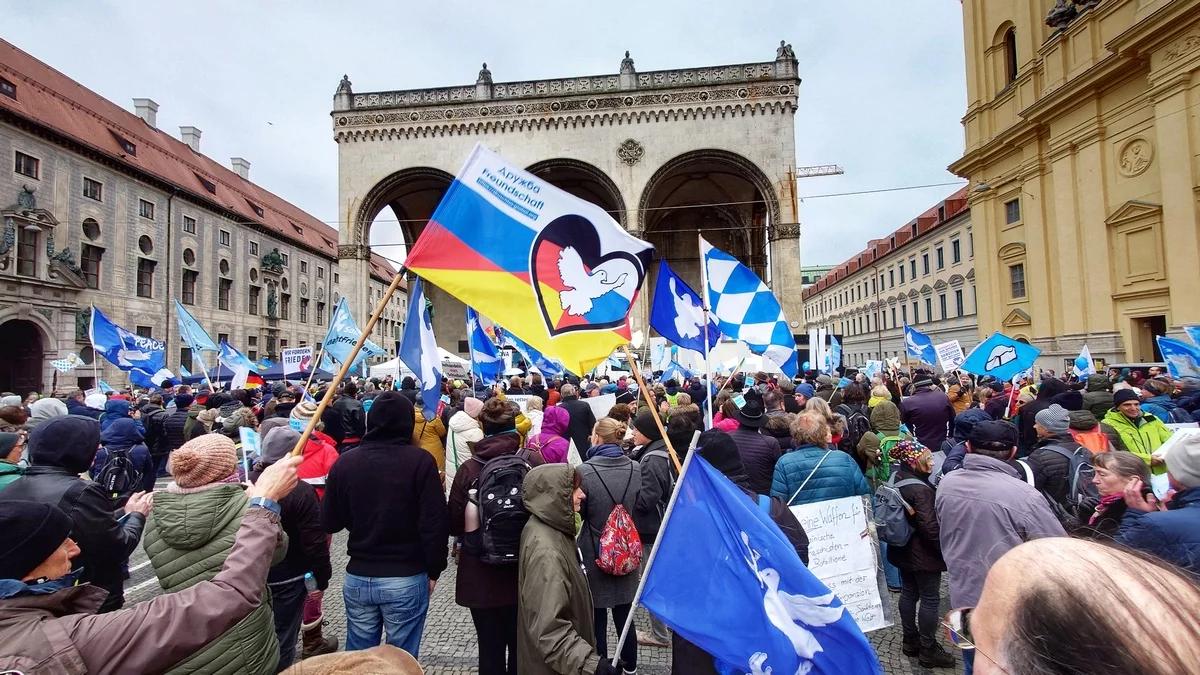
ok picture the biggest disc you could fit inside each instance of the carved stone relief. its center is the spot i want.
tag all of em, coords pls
(1135, 157)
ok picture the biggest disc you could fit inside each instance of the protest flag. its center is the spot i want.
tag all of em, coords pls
(559, 270)
(142, 357)
(1001, 357)
(1193, 333)
(1083, 365)
(919, 345)
(833, 357)
(237, 362)
(1183, 359)
(340, 337)
(485, 359)
(677, 312)
(418, 351)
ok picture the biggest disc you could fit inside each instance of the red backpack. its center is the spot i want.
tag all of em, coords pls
(620, 549)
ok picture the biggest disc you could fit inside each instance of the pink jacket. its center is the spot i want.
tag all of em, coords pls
(552, 442)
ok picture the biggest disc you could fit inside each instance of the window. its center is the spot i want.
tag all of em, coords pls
(1016, 280)
(971, 244)
(89, 262)
(942, 304)
(904, 313)
(912, 268)
(1012, 211)
(1010, 56)
(26, 165)
(320, 272)
(189, 286)
(225, 237)
(320, 314)
(8, 89)
(210, 186)
(252, 354)
(285, 257)
(891, 278)
(185, 357)
(916, 313)
(252, 341)
(126, 147)
(913, 230)
(146, 209)
(145, 278)
(189, 225)
(304, 267)
(253, 300)
(901, 272)
(893, 317)
(258, 210)
(224, 289)
(941, 257)
(929, 309)
(336, 278)
(144, 331)
(955, 251)
(925, 263)
(222, 337)
(303, 310)
(285, 306)
(254, 248)
(958, 302)
(93, 189)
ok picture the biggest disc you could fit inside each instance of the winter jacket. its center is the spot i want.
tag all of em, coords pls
(582, 419)
(607, 481)
(405, 534)
(1163, 406)
(960, 397)
(319, 455)
(346, 419)
(1052, 470)
(654, 491)
(983, 510)
(153, 417)
(308, 549)
(834, 475)
(1098, 397)
(55, 632)
(1048, 389)
(479, 585)
(124, 434)
(552, 443)
(929, 414)
(955, 448)
(187, 540)
(60, 450)
(173, 427)
(431, 437)
(464, 430)
(923, 553)
(885, 421)
(726, 424)
(996, 406)
(555, 626)
(759, 454)
(9, 473)
(1141, 436)
(1172, 535)
(77, 407)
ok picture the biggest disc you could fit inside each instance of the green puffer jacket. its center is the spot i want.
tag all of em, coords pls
(187, 539)
(1141, 436)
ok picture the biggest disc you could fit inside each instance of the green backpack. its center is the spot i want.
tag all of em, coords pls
(884, 470)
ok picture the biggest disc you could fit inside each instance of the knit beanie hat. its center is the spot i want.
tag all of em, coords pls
(203, 460)
(304, 411)
(907, 453)
(32, 531)
(228, 409)
(1082, 420)
(644, 423)
(1183, 461)
(472, 406)
(1053, 419)
(183, 401)
(1125, 395)
(1157, 387)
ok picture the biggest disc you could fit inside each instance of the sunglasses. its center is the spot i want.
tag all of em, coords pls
(958, 628)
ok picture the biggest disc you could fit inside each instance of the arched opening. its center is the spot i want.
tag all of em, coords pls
(1010, 55)
(23, 349)
(718, 194)
(584, 181)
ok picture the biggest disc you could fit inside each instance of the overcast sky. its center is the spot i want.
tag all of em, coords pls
(882, 93)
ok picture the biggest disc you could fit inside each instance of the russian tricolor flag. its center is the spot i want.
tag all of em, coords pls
(556, 271)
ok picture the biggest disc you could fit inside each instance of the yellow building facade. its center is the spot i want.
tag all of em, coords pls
(1082, 144)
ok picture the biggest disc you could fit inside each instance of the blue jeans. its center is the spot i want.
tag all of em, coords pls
(395, 604)
(890, 571)
(968, 661)
(287, 604)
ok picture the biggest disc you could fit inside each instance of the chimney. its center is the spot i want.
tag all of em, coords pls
(191, 136)
(146, 109)
(241, 167)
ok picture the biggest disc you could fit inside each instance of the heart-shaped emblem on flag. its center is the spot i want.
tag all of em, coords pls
(579, 286)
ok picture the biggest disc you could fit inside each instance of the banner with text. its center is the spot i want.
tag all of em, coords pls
(950, 355)
(296, 360)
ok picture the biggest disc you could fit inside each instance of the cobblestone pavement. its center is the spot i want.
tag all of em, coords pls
(449, 648)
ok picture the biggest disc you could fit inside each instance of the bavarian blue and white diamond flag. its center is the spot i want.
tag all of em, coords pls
(419, 351)
(142, 357)
(1001, 357)
(342, 335)
(746, 310)
(747, 598)
(485, 359)
(918, 344)
(677, 313)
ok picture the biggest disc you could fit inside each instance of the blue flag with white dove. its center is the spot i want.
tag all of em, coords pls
(533, 358)
(918, 345)
(1183, 359)
(142, 357)
(1083, 366)
(746, 310)
(192, 333)
(237, 362)
(343, 333)
(1001, 357)
(746, 599)
(833, 356)
(419, 351)
(677, 313)
(485, 358)
(1193, 333)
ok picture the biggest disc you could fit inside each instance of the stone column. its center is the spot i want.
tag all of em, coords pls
(786, 281)
(1175, 159)
(354, 273)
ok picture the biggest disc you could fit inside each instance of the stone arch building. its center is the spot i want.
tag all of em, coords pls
(667, 153)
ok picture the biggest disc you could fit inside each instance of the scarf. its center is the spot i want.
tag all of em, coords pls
(1105, 502)
(605, 450)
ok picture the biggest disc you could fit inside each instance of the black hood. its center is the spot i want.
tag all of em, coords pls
(69, 442)
(391, 419)
(1051, 387)
(721, 451)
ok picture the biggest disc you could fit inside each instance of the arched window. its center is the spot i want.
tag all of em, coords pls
(1010, 55)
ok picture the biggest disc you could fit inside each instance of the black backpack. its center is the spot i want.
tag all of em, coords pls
(1082, 494)
(1176, 414)
(857, 424)
(500, 496)
(120, 476)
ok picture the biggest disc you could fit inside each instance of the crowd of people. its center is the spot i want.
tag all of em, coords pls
(548, 509)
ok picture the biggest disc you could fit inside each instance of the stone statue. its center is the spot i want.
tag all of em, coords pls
(1061, 14)
(627, 64)
(785, 51)
(485, 75)
(25, 198)
(344, 86)
(273, 261)
(272, 302)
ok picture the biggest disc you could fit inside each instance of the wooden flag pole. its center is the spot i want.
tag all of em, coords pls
(637, 374)
(345, 368)
(316, 366)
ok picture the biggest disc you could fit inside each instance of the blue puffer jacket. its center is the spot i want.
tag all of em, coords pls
(1161, 407)
(1173, 535)
(837, 476)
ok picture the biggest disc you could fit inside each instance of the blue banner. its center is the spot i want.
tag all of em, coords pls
(192, 333)
(1183, 359)
(341, 337)
(918, 345)
(677, 313)
(485, 358)
(1001, 357)
(142, 357)
(418, 350)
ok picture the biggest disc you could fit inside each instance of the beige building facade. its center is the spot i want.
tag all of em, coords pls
(1082, 137)
(922, 275)
(101, 207)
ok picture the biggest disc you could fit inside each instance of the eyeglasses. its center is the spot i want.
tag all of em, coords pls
(958, 628)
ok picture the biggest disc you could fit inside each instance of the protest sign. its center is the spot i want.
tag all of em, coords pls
(251, 446)
(295, 360)
(841, 553)
(601, 404)
(950, 355)
(521, 400)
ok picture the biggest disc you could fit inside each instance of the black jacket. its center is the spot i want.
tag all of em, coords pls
(405, 534)
(61, 449)
(1052, 470)
(759, 453)
(929, 415)
(307, 551)
(656, 481)
(173, 435)
(1047, 389)
(582, 421)
(924, 551)
(153, 417)
(351, 420)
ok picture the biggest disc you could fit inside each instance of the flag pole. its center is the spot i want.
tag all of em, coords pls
(730, 378)
(637, 596)
(331, 391)
(708, 392)
(637, 374)
(95, 356)
(204, 369)
(316, 366)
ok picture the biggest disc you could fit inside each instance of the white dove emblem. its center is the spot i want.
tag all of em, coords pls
(688, 317)
(1000, 355)
(583, 287)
